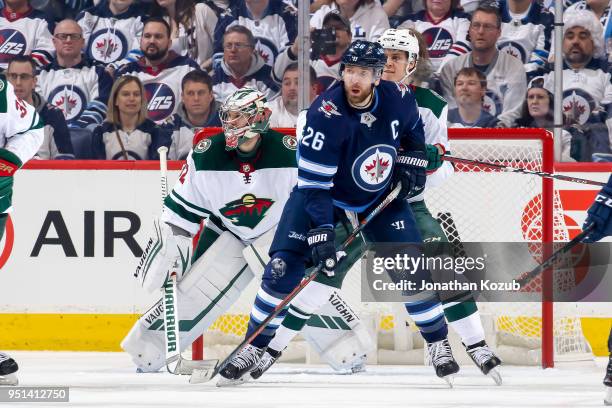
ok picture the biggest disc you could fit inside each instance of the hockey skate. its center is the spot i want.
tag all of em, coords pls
(242, 363)
(267, 359)
(608, 383)
(485, 359)
(8, 368)
(441, 356)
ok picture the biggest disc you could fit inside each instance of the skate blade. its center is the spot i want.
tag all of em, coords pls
(608, 397)
(10, 379)
(226, 382)
(495, 376)
(203, 373)
(450, 379)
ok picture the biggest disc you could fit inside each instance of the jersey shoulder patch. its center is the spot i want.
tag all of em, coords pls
(426, 98)
(210, 154)
(279, 150)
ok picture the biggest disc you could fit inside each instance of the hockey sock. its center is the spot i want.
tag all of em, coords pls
(464, 318)
(307, 302)
(429, 318)
(265, 302)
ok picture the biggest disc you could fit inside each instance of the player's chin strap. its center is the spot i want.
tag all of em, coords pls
(207, 374)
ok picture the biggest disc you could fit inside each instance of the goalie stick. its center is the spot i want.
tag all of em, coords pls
(208, 373)
(169, 293)
(527, 277)
(509, 169)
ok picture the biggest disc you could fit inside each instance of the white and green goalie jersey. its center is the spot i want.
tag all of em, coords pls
(247, 194)
(434, 110)
(21, 135)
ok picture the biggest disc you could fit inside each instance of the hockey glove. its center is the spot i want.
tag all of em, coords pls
(168, 250)
(9, 164)
(321, 243)
(410, 172)
(434, 157)
(600, 214)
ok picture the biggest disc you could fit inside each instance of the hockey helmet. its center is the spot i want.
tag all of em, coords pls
(247, 103)
(402, 40)
(365, 54)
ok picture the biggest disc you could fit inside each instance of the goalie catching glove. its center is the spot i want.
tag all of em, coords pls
(169, 250)
(410, 172)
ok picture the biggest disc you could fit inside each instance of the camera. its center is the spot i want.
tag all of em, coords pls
(323, 42)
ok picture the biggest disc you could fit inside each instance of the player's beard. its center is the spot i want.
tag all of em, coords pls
(361, 100)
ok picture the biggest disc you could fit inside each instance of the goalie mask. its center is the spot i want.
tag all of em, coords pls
(402, 40)
(243, 116)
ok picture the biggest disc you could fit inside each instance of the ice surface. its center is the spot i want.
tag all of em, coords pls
(109, 380)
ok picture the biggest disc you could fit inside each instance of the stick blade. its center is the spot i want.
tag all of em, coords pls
(204, 372)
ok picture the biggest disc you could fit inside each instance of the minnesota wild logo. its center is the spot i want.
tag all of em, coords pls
(247, 211)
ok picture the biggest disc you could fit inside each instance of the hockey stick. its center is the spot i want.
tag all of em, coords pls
(526, 278)
(169, 292)
(200, 376)
(509, 169)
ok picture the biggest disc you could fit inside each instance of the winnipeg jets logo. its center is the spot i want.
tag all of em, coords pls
(328, 108)
(439, 41)
(515, 49)
(377, 167)
(492, 103)
(577, 105)
(367, 119)
(12, 43)
(372, 169)
(69, 99)
(266, 49)
(161, 101)
(107, 46)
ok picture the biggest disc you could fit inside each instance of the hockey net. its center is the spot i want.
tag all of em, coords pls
(476, 204)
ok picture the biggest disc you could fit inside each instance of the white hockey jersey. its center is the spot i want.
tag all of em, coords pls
(25, 34)
(434, 110)
(281, 117)
(21, 134)
(246, 194)
(446, 38)
(275, 31)
(81, 92)
(527, 37)
(584, 91)
(506, 85)
(162, 83)
(368, 23)
(111, 38)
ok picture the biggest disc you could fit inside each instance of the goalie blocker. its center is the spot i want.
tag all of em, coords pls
(210, 287)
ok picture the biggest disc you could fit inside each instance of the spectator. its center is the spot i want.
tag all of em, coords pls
(444, 28)
(273, 23)
(127, 134)
(587, 90)
(538, 113)
(192, 26)
(159, 69)
(367, 18)
(25, 31)
(470, 87)
(197, 110)
(285, 107)
(506, 79)
(327, 67)
(242, 66)
(21, 73)
(71, 82)
(526, 32)
(112, 31)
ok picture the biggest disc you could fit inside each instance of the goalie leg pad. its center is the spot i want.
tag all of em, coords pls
(209, 288)
(337, 334)
(256, 254)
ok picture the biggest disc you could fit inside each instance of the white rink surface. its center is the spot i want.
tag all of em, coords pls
(109, 380)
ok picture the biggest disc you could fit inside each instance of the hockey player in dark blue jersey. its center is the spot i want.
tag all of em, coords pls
(358, 138)
(600, 214)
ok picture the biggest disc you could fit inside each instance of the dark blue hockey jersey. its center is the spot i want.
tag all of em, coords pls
(350, 153)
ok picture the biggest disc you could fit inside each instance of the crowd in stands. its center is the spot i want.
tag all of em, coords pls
(116, 79)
